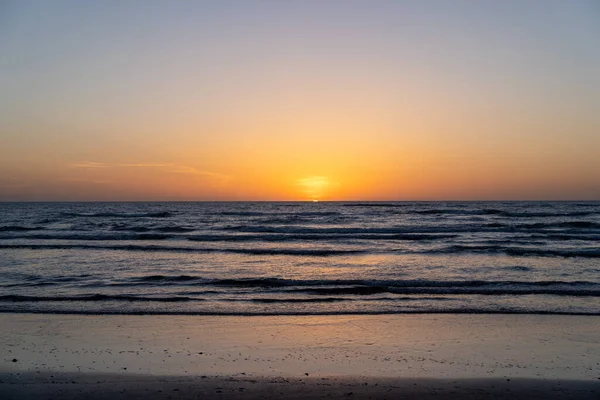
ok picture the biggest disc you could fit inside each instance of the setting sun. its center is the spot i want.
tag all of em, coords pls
(314, 187)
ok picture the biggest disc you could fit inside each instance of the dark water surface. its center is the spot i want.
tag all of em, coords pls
(300, 258)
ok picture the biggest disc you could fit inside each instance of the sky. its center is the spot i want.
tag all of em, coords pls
(299, 100)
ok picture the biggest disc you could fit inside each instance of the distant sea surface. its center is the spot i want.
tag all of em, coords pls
(300, 258)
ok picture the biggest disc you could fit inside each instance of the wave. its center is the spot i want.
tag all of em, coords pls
(300, 229)
(129, 228)
(39, 280)
(233, 282)
(411, 229)
(152, 248)
(432, 311)
(453, 211)
(518, 268)
(304, 300)
(18, 228)
(318, 213)
(159, 214)
(162, 233)
(300, 219)
(345, 299)
(461, 209)
(362, 291)
(260, 214)
(242, 213)
(526, 214)
(420, 287)
(164, 229)
(504, 213)
(565, 230)
(564, 224)
(254, 282)
(91, 237)
(193, 280)
(165, 278)
(48, 220)
(413, 287)
(93, 297)
(592, 252)
(149, 235)
(565, 236)
(575, 226)
(275, 282)
(320, 237)
(28, 284)
(349, 287)
(171, 299)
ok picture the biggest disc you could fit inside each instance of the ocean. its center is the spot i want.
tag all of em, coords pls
(303, 258)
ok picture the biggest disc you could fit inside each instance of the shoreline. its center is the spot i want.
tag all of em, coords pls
(297, 314)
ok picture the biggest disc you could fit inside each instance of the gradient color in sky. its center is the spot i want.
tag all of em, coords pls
(299, 100)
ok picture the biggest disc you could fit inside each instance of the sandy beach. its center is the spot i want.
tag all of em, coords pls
(415, 356)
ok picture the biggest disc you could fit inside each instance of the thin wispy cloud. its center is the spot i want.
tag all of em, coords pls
(184, 169)
(167, 167)
(81, 180)
(145, 165)
(89, 164)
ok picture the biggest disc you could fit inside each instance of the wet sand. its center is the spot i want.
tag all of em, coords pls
(410, 356)
(33, 386)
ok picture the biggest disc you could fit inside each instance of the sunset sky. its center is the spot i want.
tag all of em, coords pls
(299, 100)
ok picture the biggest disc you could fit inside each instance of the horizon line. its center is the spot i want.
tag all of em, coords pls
(303, 201)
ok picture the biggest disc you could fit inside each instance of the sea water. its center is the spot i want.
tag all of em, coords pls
(272, 258)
